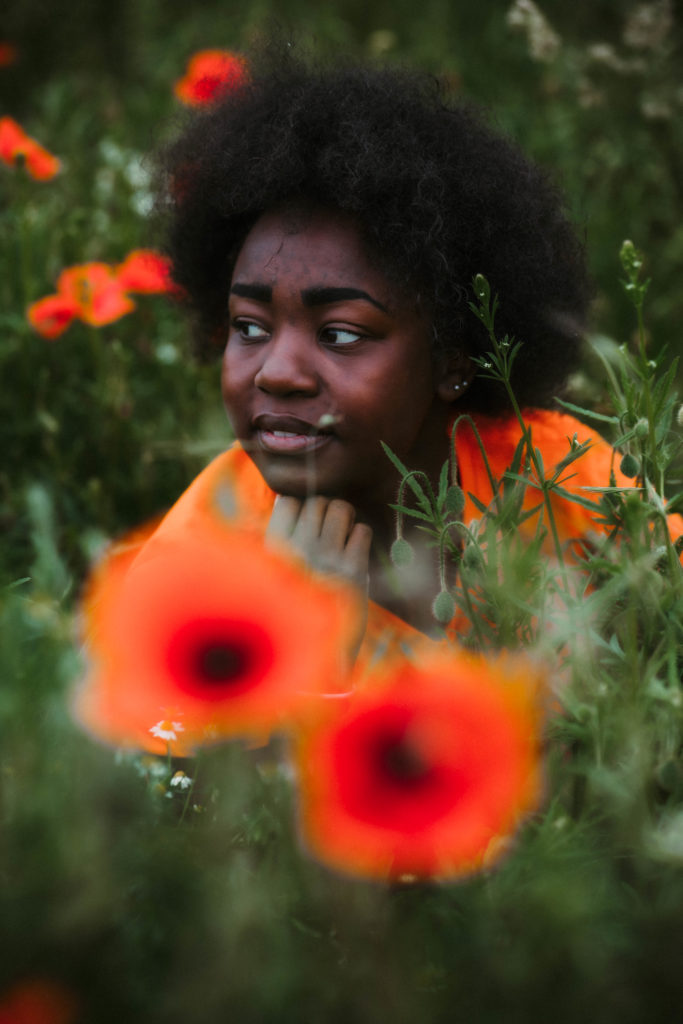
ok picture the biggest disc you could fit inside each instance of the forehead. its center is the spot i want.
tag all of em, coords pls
(310, 246)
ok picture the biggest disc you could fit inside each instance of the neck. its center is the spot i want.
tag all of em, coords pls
(408, 591)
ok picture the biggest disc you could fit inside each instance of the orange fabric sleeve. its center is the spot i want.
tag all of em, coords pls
(551, 433)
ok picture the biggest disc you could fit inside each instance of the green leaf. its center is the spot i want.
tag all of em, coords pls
(588, 413)
(443, 485)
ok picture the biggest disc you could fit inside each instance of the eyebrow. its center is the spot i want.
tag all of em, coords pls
(323, 296)
(260, 292)
(316, 296)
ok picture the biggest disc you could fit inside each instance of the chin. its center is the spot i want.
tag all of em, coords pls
(291, 485)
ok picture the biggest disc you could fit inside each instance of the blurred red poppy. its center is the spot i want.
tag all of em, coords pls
(51, 316)
(146, 272)
(90, 292)
(16, 146)
(97, 291)
(210, 74)
(210, 638)
(424, 771)
(37, 1001)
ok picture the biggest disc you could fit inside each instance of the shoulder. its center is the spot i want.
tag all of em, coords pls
(229, 488)
(553, 433)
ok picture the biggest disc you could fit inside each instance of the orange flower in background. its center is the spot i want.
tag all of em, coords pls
(90, 292)
(8, 54)
(96, 290)
(208, 639)
(209, 75)
(97, 293)
(145, 271)
(16, 145)
(424, 771)
(37, 1002)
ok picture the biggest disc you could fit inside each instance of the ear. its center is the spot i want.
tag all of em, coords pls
(453, 375)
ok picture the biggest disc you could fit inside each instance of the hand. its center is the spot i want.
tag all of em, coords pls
(325, 533)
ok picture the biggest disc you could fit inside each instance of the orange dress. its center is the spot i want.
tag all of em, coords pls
(232, 486)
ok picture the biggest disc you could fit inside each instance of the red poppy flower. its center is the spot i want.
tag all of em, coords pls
(37, 1002)
(97, 291)
(210, 638)
(15, 145)
(51, 316)
(423, 772)
(210, 74)
(146, 272)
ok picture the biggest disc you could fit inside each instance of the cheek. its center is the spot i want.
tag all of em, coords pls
(233, 384)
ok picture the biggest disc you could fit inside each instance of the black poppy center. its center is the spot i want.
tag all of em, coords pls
(402, 763)
(221, 662)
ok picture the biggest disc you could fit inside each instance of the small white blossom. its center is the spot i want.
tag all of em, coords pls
(543, 42)
(648, 25)
(167, 730)
(181, 781)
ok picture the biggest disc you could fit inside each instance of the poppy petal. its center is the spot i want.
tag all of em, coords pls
(210, 74)
(97, 292)
(235, 638)
(145, 271)
(423, 770)
(51, 316)
(15, 144)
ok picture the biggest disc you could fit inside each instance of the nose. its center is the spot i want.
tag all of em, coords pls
(288, 365)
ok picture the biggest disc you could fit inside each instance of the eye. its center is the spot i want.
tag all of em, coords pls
(340, 337)
(248, 330)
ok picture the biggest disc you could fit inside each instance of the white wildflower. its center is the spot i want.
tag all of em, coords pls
(607, 56)
(648, 25)
(543, 42)
(167, 730)
(181, 781)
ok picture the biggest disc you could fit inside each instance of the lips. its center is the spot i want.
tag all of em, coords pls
(288, 435)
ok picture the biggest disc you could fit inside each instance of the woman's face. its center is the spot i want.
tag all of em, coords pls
(324, 360)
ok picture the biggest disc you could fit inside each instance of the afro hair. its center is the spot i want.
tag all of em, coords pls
(439, 196)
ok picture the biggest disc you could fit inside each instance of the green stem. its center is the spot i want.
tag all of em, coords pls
(526, 432)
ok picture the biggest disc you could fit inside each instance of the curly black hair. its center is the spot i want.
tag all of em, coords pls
(438, 195)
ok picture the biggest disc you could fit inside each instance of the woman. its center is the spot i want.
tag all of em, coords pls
(326, 225)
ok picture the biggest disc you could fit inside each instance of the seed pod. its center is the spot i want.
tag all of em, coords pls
(455, 500)
(443, 607)
(629, 465)
(401, 553)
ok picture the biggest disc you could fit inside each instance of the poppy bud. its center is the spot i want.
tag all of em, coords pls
(455, 500)
(629, 465)
(443, 607)
(401, 553)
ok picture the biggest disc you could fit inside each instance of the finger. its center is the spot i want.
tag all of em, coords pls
(308, 527)
(337, 524)
(358, 554)
(284, 517)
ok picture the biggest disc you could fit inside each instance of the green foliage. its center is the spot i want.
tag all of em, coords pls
(153, 902)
